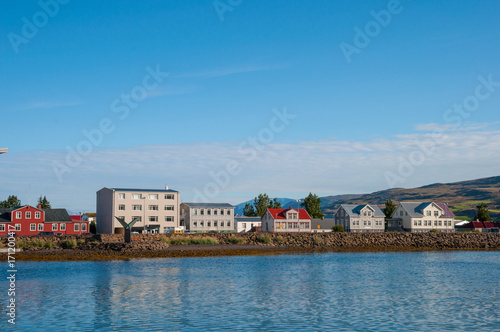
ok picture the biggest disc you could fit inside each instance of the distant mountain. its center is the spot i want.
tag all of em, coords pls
(462, 197)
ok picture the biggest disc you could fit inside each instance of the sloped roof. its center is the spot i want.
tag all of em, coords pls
(53, 215)
(209, 205)
(354, 210)
(326, 223)
(447, 212)
(247, 219)
(415, 209)
(281, 213)
(139, 190)
(480, 224)
(5, 215)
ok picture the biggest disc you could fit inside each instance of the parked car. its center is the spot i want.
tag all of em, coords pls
(46, 233)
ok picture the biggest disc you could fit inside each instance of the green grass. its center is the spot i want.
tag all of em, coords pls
(235, 240)
(190, 240)
(279, 239)
(476, 202)
(316, 239)
(463, 218)
(34, 244)
(338, 228)
(68, 244)
(264, 239)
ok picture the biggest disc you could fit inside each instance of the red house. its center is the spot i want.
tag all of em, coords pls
(28, 220)
(286, 220)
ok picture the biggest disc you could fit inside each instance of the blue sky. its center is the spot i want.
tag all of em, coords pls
(224, 70)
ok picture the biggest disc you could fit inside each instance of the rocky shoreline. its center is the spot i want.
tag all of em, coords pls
(110, 247)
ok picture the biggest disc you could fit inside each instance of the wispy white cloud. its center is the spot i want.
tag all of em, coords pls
(47, 105)
(170, 90)
(326, 167)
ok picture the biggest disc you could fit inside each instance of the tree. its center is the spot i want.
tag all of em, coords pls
(261, 203)
(43, 202)
(482, 213)
(275, 204)
(312, 204)
(338, 228)
(93, 227)
(10, 202)
(249, 211)
(390, 207)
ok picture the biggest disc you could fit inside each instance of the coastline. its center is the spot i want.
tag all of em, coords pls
(111, 247)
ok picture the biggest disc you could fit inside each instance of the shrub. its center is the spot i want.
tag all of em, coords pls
(68, 244)
(434, 231)
(48, 244)
(192, 240)
(338, 228)
(279, 239)
(235, 240)
(264, 239)
(316, 239)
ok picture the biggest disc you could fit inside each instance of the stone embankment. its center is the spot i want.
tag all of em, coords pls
(103, 246)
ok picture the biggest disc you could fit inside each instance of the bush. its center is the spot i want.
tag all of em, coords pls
(279, 239)
(338, 228)
(192, 240)
(316, 239)
(48, 244)
(235, 240)
(68, 244)
(434, 231)
(264, 239)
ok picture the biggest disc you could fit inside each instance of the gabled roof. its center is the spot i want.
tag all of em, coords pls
(139, 190)
(480, 224)
(209, 205)
(5, 215)
(354, 210)
(53, 215)
(415, 209)
(281, 213)
(326, 223)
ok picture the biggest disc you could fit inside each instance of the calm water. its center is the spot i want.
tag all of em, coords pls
(430, 291)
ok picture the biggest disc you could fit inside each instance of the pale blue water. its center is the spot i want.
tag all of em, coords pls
(425, 291)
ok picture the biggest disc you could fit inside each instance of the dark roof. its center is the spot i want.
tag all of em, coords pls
(52, 215)
(209, 205)
(247, 219)
(415, 209)
(5, 215)
(322, 223)
(354, 210)
(152, 190)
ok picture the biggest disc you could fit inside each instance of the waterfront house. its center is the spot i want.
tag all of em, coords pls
(360, 218)
(423, 217)
(243, 224)
(322, 225)
(480, 226)
(286, 220)
(29, 220)
(157, 210)
(208, 217)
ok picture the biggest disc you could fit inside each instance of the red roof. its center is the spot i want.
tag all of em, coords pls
(281, 213)
(480, 224)
(76, 217)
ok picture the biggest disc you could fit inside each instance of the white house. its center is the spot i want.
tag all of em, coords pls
(423, 217)
(360, 218)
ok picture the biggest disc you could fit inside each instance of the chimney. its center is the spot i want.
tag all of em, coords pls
(39, 206)
(166, 187)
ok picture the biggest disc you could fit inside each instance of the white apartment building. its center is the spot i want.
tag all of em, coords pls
(360, 218)
(423, 217)
(207, 217)
(244, 224)
(156, 210)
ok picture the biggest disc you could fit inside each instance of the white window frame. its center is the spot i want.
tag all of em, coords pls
(32, 227)
(153, 207)
(19, 215)
(18, 227)
(153, 196)
(136, 207)
(169, 196)
(54, 227)
(63, 227)
(136, 196)
(169, 217)
(121, 196)
(170, 208)
(153, 218)
(28, 214)
(2, 227)
(121, 207)
(37, 215)
(40, 227)
(76, 227)
(84, 227)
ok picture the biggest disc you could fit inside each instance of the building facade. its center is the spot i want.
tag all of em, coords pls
(286, 220)
(244, 224)
(28, 220)
(208, 217)
(322, 225)
(360, 218)
(157, 211)
(423, 217)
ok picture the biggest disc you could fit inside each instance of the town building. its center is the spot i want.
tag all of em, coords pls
(322, 225)
(157, 210)
(286, 220)
(207, 217)
(28, 220)
(480, 226)
(244, 224)
(423, 217)
(360, 218)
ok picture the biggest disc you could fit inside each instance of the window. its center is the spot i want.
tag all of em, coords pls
(2, 227)
(28, 214)
(195, 224)
(364, 222)
(40, 227)
(401, 213)
(137, 207)
(77, 227)
(414, 223)
(54, 227)
(169, 196)
(62, 227)
(139, 218)
(202, 211)
(209, 223)
(153, 219)
(215, 212)
(19, 215)
(137, 196)
(369, 223)
(18, 227)
(209, 211)
(121, 196)
(435, 223)
(169, 208)
(436, 213)
(121, 207)
(153, 196)
(228, 212)
(440, 223)
(32, 227)
(169, 219)
(202, 224)
(153, 208)
(429, 213)
(228, 224)
(195, 211)
(215, 223)
(420, 222)
(37, 215)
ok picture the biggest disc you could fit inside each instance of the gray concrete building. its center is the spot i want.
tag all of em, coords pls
(360, 218)
(157, 210)
(207, 217)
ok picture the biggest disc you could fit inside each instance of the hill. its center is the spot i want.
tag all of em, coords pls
(462, 197)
